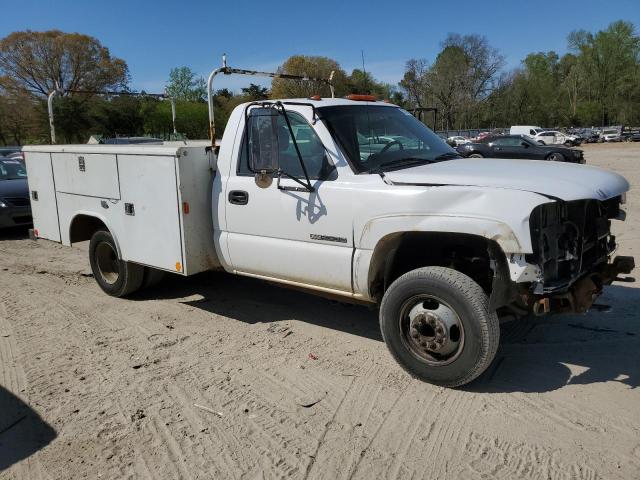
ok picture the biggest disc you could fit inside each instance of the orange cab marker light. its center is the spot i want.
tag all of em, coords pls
(361, 98)
(178, 267)
(185, 208)
(315, 97)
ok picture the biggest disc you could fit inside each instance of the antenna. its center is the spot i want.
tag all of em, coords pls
(364, 72)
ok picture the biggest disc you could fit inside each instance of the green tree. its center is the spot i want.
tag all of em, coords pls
(39, 62)
(255, 92)
(458, 82)
(183, 84)
(18, 119)
(313, 67)
(609, 61)
(363, 82)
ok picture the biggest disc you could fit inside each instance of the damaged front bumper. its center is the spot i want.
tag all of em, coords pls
(582, 294)
(572, 255)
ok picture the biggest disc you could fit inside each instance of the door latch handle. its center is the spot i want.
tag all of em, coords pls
(238, 197)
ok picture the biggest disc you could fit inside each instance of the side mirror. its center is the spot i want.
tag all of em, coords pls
(524, 144)
(263, 148)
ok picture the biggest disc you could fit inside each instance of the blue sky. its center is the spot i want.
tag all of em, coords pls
(153, 36)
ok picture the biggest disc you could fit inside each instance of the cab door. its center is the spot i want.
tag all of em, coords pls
(504, 147)
(285, 232)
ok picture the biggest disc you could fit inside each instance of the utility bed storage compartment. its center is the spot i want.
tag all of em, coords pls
(155, 200)
(90, 174)
(43, 195)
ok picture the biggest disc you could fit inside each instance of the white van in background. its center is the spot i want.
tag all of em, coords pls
(528, 130)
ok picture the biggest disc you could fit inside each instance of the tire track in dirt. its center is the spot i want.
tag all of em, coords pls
(72, 349)
(269, 425)
(495, 458)
(14, 381)
(344, 438)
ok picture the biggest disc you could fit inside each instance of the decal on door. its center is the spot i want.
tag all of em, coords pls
(328, 238)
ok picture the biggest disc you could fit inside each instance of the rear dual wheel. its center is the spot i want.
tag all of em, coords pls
(437, 325)
(115, 276)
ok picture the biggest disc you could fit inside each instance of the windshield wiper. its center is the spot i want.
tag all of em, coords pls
(400, 162)
(447, 156)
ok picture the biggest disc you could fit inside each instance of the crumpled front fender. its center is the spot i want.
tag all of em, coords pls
(491, 229)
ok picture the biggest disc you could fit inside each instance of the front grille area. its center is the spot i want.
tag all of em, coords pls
(22, 219)
(18, 201)
(571, 239)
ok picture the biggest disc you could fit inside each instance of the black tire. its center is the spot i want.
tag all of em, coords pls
(476, 155)
(114, 276)
(480, 328)
(152, 277)
(568, 143)
(556, 157)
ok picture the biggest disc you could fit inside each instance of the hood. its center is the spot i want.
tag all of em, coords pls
(566, 181)
(14, 188)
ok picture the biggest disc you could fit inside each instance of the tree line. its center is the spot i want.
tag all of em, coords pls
(596, 83)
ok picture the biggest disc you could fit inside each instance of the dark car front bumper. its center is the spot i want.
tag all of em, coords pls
(14, 216)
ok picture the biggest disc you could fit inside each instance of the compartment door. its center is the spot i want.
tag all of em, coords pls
(89, 174)
(44, 208)
(152, 234)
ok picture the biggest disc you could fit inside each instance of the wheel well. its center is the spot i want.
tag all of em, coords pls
(399, 253)
(83, 227)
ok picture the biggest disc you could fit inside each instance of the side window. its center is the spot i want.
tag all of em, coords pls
(316, 160)
(508, 142)
(532, 132)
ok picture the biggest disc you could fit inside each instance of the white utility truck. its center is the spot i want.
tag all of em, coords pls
(349, 197)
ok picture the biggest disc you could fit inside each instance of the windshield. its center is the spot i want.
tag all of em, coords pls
(12, 170)
(375, 137)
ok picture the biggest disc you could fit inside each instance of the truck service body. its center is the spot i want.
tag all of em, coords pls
(444, 245)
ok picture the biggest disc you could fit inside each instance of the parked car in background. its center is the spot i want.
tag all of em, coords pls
(611, 135)
(16, 156)
(6, 151)
(590, 135)
(15, 208)
(457, 140)
(634, 137)
(555, 137)
(519, 146)
(528, 130)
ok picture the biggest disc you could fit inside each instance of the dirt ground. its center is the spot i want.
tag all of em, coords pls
(225, 377)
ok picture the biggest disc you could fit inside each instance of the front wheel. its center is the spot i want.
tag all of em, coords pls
(437, 325)
(475, 155)
(114, 276)
(556, 157)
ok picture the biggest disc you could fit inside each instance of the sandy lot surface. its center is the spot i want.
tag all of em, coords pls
(224, 377)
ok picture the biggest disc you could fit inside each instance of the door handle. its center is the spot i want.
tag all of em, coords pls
(238, 197)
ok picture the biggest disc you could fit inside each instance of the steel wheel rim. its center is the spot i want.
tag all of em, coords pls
(107, 262)
(431, 330)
